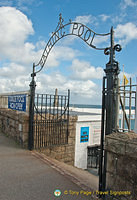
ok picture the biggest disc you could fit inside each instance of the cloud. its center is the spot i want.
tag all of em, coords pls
(128, 76)
(61, 53)
(15, 29)
(86, 19)
(104, 17)
(14, 77)
(80, 89)
(17, 56)
(20, 4)
(15, 26)
(128, 3)
(126, 33)
(82, 70)
(9, 69)
(19, 83)
(101, 41)
(14, 32)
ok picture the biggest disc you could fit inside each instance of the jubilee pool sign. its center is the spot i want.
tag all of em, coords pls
(63, 30)
(17, 102)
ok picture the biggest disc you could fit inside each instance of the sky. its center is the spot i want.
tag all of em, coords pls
(27, 25)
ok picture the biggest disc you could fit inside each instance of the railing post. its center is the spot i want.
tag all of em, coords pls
(111, 106)
(112, 71)
(102, 138)
(68, 115)
(31, 111)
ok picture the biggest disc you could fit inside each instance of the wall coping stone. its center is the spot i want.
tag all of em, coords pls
(122, 143)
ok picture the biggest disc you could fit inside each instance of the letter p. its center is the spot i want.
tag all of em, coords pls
(75, 27)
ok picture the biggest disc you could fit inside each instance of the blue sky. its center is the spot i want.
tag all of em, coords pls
(27, 25)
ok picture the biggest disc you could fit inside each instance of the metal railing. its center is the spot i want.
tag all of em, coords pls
(51, 120)
(127, 101)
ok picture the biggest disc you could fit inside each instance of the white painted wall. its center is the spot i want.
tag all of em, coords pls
(94, 124)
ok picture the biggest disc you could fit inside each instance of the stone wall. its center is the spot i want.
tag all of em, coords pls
(122, 164)
(64, 153)
(15, 125)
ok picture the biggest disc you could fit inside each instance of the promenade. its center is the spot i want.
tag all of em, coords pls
(26, 175)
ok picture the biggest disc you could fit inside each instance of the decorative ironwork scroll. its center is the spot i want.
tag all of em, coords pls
(62, 30)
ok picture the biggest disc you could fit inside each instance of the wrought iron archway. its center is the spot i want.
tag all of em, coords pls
(110, 103)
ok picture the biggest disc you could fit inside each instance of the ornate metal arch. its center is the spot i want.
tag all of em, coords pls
(112, 69)
(63, 30)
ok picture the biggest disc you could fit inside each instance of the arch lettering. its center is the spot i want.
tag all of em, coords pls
(71, 28)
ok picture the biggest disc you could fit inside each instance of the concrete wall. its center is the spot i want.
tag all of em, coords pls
(122, 163)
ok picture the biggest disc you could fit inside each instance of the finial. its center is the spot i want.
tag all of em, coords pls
(60, 23)
(61, 20)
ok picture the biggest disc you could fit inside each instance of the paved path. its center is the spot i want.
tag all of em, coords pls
(25, 177)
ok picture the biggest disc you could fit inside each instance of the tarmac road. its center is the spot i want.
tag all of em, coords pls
(25, 177)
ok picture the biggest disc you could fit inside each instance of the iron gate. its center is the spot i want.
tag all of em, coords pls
(93, 157)
(51, 120)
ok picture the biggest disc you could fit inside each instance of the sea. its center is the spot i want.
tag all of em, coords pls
(87, 109)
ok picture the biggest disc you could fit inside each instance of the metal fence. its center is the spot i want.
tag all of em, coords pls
(93, 157)
(127, 102)
(51, 120)
(122, 113)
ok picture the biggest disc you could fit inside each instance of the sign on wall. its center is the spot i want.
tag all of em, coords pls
(84, 137)
(96, 132)
(17, 102)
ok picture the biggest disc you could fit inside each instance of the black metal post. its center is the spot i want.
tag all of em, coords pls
(111, 106)
(31, 110)
(102, 138)
(112, 71)
(68, 115)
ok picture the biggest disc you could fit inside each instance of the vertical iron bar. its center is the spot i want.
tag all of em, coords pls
(42, 125)
(57, 124)
(65, 108)
(37, 131)
(58, 108)
(53, 120)
(130, 96)
(46, 112)
(37, 119)
(118, 104)
(31, 111)
(123, 124)
(68, 115)
(102, 138)
(48, 119)
(61, 134)
(50, 123)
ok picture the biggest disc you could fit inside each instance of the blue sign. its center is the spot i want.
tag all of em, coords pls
(17, 102)
(84, 134)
